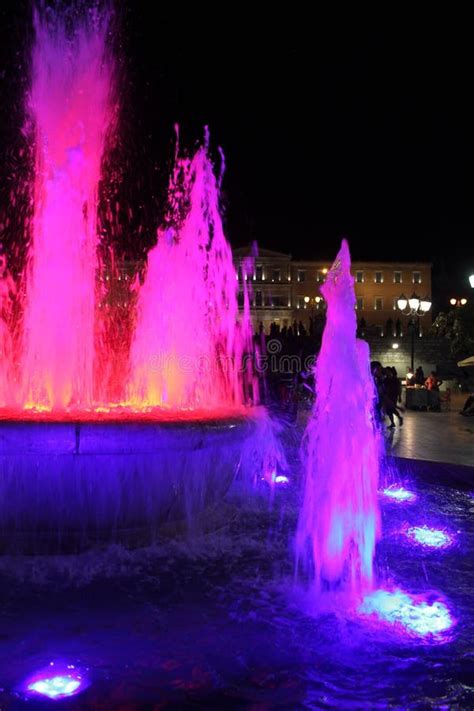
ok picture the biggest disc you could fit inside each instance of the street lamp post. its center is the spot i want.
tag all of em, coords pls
(458, 302)
(415, 308)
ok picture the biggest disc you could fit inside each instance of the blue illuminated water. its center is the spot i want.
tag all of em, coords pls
(218, 623)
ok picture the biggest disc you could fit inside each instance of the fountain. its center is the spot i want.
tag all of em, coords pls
(339, 520)
(87, 456)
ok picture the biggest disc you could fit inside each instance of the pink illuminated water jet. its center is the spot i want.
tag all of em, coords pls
(339, 520)
(71, 106)
(182, 345)
(189, 344)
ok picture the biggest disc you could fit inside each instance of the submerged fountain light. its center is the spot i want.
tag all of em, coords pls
(429, 537)
(398, 493)
(272, 478)
(57, 682)
(414, 614)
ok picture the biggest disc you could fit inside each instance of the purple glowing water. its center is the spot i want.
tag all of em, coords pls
(70, 103)
(339, 520)
(57, 681)
(429, 537)
(398, 493)
(413, 614)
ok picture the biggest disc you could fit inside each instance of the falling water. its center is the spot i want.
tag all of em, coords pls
(190, 345)
(339, 521)
(70, 104)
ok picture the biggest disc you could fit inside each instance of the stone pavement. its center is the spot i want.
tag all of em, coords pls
(434, 436)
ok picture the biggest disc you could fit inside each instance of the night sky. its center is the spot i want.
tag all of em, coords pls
(329, 129)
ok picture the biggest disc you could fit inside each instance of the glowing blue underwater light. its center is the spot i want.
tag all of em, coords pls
(414, 614)
(274, 478)
(57, 682)
(399, 493)
(429, 537)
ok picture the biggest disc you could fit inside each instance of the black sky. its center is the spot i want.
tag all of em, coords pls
(329, 128)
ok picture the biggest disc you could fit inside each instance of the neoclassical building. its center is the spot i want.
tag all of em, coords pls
(283, 289)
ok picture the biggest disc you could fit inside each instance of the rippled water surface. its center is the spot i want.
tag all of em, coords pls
(219, 623)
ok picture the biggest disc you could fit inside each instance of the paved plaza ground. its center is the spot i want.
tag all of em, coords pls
(435, 436)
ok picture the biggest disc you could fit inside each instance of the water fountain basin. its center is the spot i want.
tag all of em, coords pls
(66, 486)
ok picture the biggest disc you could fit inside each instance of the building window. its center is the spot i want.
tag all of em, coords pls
(258, 298)
(299, 301)
(276, 275)
(378, 304)
(360, 277)
(416, 277)
(240, 298)
(378, 277)
(395, 303)
(319, 276)
(301, 275)
(378, 330)
(359, 303)
(259, 272)
(397, 277)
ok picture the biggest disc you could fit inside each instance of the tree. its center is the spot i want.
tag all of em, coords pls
(458, 326)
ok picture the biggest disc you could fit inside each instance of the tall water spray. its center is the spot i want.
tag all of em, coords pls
(190, 344)
(339, 520)
(71, 107)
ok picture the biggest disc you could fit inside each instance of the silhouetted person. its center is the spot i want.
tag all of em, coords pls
(390, 397)
(419, 378)
(468, 409)
(377, 375)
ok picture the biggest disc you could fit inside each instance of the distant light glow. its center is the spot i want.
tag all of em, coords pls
(414, 614)
(395, 346)
(399, 493)
(57, 681)
(281, 479)
(429, 537)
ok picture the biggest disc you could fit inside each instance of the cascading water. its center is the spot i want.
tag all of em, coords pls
(71, 106)
(129, 430)
(339, 520)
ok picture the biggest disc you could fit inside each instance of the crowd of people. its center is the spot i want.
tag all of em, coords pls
(432, 382)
